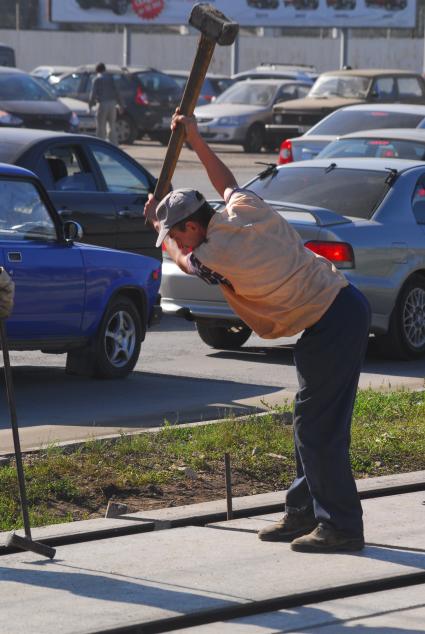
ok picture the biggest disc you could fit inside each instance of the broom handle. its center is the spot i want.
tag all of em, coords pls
(14, 422)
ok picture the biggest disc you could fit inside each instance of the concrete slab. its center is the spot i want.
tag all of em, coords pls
(81, 528)
(198, 513)
(391, 611)
(159, 574)
(394, 521)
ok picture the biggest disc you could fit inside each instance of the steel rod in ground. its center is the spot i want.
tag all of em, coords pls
(14, 424)
(228, 478)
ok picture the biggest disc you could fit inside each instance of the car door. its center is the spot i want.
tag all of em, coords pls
(48, 274)
(127, 185)
(76, 190)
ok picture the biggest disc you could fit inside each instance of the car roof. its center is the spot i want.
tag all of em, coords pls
(185, 73)
(12, 70)
(408, 108)
(368, 72)
(52, 69)
(12, 170)
(114, 68)
(372, 164)
(18, 140)
(283, 65)
(274, 81)
(407, 134)
(273, 73)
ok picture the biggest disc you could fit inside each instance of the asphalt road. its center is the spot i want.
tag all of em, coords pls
(178, 378)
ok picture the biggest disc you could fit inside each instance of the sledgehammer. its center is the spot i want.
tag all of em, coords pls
(215, 29)
(25, 543)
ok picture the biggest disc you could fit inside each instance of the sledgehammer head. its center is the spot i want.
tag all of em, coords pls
(213, 24)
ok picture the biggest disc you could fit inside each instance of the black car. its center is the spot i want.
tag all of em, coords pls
(24, 102)
(150, 97)
(89, 181)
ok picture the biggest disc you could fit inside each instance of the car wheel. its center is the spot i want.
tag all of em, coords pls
(126, 130)
(254, 138)
(120, 7)
(406, 335)
(226, 337)
(162, 137)
(118, 340)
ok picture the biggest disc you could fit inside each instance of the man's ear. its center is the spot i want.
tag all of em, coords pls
(190, 225)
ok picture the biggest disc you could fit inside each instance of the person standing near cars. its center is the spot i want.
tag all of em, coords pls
(105, 93)
(279, 288)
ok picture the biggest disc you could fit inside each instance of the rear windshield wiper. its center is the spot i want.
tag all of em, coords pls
(270, 168)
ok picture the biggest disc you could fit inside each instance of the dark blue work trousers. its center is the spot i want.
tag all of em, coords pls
(328, 357)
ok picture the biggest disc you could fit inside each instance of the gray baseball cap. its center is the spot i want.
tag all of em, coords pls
(175, 207)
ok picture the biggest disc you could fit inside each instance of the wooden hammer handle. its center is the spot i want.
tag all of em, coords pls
(187, 106)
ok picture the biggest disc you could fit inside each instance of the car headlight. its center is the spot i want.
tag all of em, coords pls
(230, 120)
(9, 119)
(74, 121)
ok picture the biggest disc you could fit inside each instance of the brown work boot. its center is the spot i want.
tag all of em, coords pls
(325, 539)
(290, 526)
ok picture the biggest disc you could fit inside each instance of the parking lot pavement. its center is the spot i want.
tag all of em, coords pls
(144, 579)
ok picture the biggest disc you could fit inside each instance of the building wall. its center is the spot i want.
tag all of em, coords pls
(34, 48)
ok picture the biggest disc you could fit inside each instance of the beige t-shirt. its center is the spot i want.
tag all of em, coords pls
(272, 282)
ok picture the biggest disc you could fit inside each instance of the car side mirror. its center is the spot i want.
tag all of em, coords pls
(72, 231)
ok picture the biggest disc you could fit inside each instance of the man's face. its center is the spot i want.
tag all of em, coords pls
(193, 235)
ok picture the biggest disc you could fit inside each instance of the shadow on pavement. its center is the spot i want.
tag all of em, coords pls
(48, 396)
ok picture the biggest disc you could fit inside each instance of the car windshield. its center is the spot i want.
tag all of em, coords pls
(337, 86)
(379, 148)
(349, 192)
(347, 121)
(22, 88)
(23, 214)
(247, 93)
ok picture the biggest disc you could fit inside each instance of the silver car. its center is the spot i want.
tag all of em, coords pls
(405, 143)
(347, 120)
(365, 215)
(239, 114)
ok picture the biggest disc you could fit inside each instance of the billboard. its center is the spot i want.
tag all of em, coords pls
(253, 13)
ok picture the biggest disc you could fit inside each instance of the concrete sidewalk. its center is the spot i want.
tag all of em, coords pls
(152, 577)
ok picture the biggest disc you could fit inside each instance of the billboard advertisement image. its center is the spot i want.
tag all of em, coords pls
(266, 13)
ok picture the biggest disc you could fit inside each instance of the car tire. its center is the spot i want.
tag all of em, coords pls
(224, 337)
(118, 340)
(126, 130)
(162, 137)
(120, 7)
(405, 338)
(254, 138)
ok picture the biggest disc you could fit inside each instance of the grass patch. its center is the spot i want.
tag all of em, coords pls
(184, 465)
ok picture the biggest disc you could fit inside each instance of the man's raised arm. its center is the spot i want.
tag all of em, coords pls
(220, 176)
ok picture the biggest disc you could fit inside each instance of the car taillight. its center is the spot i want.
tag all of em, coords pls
(141, 98)
(156, 274)
(208, 97)
(285, 152)
(339, 253)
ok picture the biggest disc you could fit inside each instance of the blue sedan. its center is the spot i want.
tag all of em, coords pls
(93, 303)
